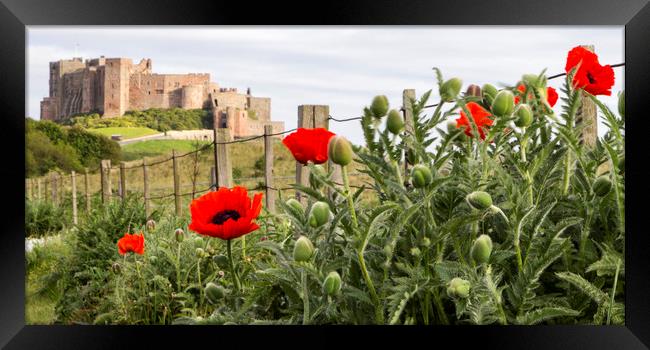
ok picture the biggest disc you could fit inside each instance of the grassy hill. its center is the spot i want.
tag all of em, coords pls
(126, 132)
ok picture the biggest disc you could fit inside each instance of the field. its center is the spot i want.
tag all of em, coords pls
(126, 132)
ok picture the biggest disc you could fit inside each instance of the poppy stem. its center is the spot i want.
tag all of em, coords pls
(232, 267)
(305, 298)
(346, 183)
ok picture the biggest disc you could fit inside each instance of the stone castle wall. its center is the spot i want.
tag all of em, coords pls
(112, 86)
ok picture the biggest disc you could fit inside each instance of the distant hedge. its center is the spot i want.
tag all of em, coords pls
(154, 118)
(50, 146)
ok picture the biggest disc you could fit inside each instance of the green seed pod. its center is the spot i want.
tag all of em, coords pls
(411, 156)
(319, 214)
(489, 92)
(303, 250)
(332, 283)
(340, 150)
(221, 261)
(421, 176)
(450, 89)
(458, 288)
(530, 79)
(479, 200)
(292, 202)
(317, 170)
(179, 234)
(621, 104)
(214, 292)
(602, 186)
(395, 122)
(524, 115)
(151, 225)
(473, 90)
(379, 106)
(481, 249)
(504, 103)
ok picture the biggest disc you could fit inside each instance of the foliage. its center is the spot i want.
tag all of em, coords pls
(154, 118)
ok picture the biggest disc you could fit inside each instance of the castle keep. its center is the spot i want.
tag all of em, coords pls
(112, 86)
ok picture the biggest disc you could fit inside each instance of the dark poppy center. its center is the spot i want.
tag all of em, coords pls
(591, 78)
(222, 216)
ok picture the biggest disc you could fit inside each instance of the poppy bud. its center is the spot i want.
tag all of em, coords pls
(473, 90)
(151, 225)
(410, 156)
(524, 115)
(489, 92)
(395, 122)
(602, 186)
(379, 106)
(450, 89)
(214, 292)
(200, 253)
(621, 104)
(117, 268)
(479, 200)
(292, 202)
(303, 250)
(426, 242)
(530, 79)
(319, 214)
(421, 176)
(451, 127)
(340, 150)
(317, 170)
(415, 251)
(388, 249)
(481, 249)
(621, 164)
(153, 259)
(179, 234)
(458, 288)
(221, 260)
(332, 283)
(504, 103)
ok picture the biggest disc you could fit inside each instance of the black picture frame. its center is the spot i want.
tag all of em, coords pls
(15, 15)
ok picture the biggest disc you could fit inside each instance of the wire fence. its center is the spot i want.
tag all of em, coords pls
(53, 185)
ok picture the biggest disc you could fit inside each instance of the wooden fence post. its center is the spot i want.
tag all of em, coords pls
(224, 167)
(177, 185)
(54, 184)
(213, 178)
(122, 180)
(87, 189)
(409, 125)
(145, 187)
(106, 180)
(309, 116)
(588, 115)
(73, 184)
(38, 185)
(27, 189)
(268, 168)
(46, 187)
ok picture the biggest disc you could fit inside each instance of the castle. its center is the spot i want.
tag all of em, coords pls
(112, 86)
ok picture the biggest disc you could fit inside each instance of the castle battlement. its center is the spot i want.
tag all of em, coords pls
(112, 86)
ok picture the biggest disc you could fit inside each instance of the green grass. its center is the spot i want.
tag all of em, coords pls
(42, 289)
(153, 148)
(126, 132)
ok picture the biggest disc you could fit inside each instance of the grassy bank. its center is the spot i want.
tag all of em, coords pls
(126, 132)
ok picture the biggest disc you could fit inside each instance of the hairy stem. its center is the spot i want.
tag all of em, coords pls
(379, 314)
(346, 183)
(232, 267)
(305, 298)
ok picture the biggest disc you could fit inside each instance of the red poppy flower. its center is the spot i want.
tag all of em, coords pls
(480, 117)
(590, 75)
(131, 243)
(309, 145)
(226, 213)
(551, 95)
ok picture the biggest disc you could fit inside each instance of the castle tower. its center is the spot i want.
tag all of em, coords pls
(116, 86)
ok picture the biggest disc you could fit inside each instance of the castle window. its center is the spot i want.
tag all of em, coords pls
(149, 92)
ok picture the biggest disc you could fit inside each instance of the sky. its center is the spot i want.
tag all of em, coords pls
(343, 67)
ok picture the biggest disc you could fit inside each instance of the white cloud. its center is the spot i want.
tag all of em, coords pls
(343, 67)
